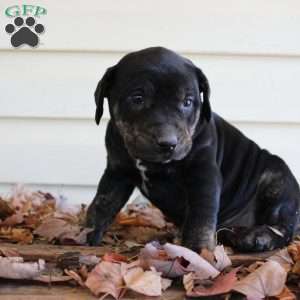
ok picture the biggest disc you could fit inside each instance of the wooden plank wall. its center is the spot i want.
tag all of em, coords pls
(250, 51)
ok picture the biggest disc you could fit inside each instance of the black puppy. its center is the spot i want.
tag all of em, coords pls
(202, 172)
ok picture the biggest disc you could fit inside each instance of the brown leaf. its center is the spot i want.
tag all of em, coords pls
(77, 236)
(268, 280)
(221, 260)
(208, 255)
(5, 209)
(83, 272)
(222, 284)
(286, 294)
(75, 276)
(283, 258)
(217, 258)
(15, 268)
(62, 231)
(165, 283)
(106, 278)
(114, 257)
(294, 250)
(13, 220)
(253, 267)
(296, 268)
(69, 218)
(148, 283)
(19, 235)
(52, 228)
(142, 214)
(142, 235)
(132, 245)
(169, 268)
(32, 221)
(26, 201)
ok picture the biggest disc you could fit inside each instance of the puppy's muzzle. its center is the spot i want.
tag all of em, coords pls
(167, 144)
(166, 139)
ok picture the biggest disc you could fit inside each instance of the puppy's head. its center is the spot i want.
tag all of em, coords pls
(157, 99)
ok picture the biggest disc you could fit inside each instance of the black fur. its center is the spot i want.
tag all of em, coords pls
(202, 172)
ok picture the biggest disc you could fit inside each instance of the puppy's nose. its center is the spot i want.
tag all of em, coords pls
(168, 143)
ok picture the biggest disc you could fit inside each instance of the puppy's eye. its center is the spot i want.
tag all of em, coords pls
(137, 99)
(188, 101)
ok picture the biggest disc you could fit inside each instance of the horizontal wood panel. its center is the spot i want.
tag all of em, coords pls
(231, 26)
(58, 152)
(52, 152)
(61, 85)
(249, 50)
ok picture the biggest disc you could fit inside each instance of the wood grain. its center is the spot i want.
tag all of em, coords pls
(25, 291)
(51, 252)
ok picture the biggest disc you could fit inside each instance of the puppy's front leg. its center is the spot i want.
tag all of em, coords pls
(204, 190)
(113, 191)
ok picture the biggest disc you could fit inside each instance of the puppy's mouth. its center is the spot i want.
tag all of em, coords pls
(162, 160)
(146, 145)
(150, 154)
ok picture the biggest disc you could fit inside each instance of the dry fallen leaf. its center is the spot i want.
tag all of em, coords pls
(83, 272)
(165, 283)
(145, 214)
(75, 276)
(296, 268)
(196, 264)
(141, 234)
(267, 280)
(222, 260)
(253, 267)
(286, 294)
(173, 261)
(16, 235)
(152, 256)
(169, 268)
(294, 250)
(114, 257)
(15, 268)
(283, 258)
(143, 223)
(5, 209)
(106, 278)
(15, 219)
(222, 284)
(62, 231)
(25, 201)
(52, 228)
(148, 282)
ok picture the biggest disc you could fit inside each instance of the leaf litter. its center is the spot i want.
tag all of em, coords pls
(144, 257)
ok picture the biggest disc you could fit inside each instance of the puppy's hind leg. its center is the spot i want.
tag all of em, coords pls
(277, 213)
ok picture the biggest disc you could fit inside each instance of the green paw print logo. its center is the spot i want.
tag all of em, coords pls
(25, 30)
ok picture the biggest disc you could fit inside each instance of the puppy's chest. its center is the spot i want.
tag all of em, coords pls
(154, 179)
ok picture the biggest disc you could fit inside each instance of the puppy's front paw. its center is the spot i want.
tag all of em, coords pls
(91, 215)
(200, 244)
(94, 238)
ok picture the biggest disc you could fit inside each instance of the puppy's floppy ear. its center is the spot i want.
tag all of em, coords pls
(102, 91)
(204, 87)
